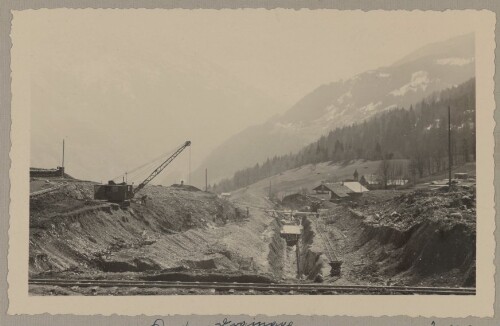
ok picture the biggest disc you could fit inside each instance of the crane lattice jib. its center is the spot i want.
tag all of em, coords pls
(161, 167)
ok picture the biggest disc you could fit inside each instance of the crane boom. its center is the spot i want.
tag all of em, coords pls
(161, 167)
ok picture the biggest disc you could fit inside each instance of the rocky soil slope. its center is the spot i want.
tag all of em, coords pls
(179, 230)
(423, 237)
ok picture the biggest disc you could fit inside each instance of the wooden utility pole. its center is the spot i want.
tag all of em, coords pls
(270, 189)
(297, 255)
(449, 148)
(62, 165)
(189, 175)
(206, 179)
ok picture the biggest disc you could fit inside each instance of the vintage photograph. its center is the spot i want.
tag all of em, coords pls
(251, 152)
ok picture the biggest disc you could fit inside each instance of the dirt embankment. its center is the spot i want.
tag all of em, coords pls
(177, 228)
(277, 251)
(415, 238)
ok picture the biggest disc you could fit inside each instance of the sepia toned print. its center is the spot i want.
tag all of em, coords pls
(170, 159)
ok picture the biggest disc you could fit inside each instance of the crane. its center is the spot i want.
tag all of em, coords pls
(123, 192)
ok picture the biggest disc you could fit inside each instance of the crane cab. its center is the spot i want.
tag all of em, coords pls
(114, 192)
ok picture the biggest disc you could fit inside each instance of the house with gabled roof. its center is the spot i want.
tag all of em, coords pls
(341, 190)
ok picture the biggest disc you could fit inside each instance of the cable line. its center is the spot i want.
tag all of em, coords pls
(158, 158)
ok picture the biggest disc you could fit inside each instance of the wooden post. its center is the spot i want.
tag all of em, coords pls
(449, 148)
(270, 189)
(297, 255)
(63, 155)
(189, 175)
(206, 179)
(62, 165)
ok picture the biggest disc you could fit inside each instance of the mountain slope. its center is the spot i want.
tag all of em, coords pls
(417, 135)
(430, 69)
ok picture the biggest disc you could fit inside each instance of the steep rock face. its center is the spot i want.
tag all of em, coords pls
(432, 68)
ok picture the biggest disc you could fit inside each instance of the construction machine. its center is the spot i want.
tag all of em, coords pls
(122, 193)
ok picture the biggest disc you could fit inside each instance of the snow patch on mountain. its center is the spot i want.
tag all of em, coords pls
(289, 125)
(419, 80)
(455, 61)
(344, 97)
(330, 108)
(371, 106)
(331, 115)
(390, 107)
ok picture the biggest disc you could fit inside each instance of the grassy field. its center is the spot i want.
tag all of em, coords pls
(306, 177)
(309, 176)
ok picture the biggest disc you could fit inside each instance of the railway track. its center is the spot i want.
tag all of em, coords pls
(261, 287)
(330, 249)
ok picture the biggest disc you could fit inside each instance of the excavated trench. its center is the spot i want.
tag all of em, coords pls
(310, 263)
(282, 257)
(313, 264)
(430, 253)
(194, 236)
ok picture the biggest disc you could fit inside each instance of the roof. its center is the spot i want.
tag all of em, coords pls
(355, 186)
(342, 190)
(323, 186)
(291, 229)
(337, 188)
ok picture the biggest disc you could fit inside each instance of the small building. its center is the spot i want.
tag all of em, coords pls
(374, 181)
(291, 233)
(396, 182)
(322, 192)
(341, 190)
(47, 173)
(370, 181)
(461, 176)
(322, 189)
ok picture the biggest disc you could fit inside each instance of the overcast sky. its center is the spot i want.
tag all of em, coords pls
(126, 85)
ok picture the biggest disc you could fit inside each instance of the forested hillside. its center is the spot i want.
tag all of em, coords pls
(341, 103)
(418, 133)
